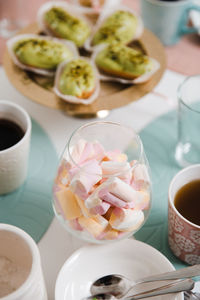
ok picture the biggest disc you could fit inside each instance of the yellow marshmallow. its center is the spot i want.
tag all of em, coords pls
(68, 203)
(111, 234)
(83, 208)
(89, 224)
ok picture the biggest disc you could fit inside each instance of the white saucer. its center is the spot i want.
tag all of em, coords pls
(128, 257)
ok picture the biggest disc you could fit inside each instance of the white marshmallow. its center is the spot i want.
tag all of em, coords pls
(94, 199)
(126, 219)
(87, 176)
(121, 169)
(123, 190)
(141, 176)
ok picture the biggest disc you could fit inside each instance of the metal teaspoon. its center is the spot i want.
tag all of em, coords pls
(119, 285)
(177, 286)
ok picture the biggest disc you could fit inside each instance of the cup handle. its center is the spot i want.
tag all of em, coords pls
(184, 28)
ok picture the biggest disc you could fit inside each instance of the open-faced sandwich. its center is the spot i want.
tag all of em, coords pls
(118, 62)
(77, 81)
(39, 54)
(59, 19)
(122, 25)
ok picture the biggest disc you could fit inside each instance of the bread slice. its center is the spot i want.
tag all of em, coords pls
(77, 79)
(122, 61)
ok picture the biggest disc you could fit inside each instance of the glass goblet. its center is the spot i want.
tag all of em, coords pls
(102, 189)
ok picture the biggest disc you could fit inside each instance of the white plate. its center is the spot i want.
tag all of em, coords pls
(129, 257)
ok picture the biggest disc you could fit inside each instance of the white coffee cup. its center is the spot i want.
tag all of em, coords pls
(21, 276)
(14, 160)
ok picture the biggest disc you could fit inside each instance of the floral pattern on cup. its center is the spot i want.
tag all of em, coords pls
(183, 235)
(183, 238)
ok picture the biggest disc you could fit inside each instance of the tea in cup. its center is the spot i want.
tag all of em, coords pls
(184, 215)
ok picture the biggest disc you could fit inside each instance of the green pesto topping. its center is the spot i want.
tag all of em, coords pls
(119, 27)
(77, 79)
(122, 60)
(66, 26)
(41, 53)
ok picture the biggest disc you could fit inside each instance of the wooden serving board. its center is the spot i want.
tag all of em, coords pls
(112, 95)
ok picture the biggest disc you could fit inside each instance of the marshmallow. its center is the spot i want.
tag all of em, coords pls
(83, 181)
(111, 235)
(100, 209)
(101, 220)
(108, 213)
(99, 151)
(113, 200)
(62, 178)
(75, 154)
(68, 204)
(141, 176)
(123, 190)
(94, 200)
(84, 210)
(120, 169)
(91, 225)
(126, 219)
(116, 155)
(88, 152)
(84, 151)
(144, 202)
(75, 225)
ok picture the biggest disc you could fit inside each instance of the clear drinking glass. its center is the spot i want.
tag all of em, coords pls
(188, 146)
(102, 189)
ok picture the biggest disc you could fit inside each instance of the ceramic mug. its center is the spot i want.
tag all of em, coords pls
(168, 19)
(14, 160)
(183, 235)
(20, 266)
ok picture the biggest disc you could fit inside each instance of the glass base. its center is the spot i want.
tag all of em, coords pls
(187, 154)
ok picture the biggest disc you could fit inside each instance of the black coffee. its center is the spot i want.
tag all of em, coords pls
(10, 134)
(187, 201)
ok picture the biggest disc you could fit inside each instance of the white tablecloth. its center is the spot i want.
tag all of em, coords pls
(57, 245)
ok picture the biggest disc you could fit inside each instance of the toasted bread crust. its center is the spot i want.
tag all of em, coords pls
(118, 74)
(86, 95)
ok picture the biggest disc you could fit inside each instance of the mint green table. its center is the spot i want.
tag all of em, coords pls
(30, 206)
(159, 139)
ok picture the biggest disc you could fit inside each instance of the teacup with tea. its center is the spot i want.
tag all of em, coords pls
(15, 133)
(184, 214)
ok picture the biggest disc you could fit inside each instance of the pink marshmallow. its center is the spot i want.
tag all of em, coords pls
(84, 151)
(92, 150)
(75, 225)
(100, 209)
(84, 179)
(88, 152)
(99, 151)
(113, 200)
(123, 190)
(120, 169)
(141, 177)
(75, 154)
(116, 155)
